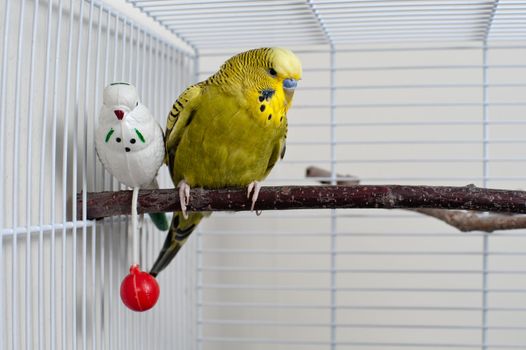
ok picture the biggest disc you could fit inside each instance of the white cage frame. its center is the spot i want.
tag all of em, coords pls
(161, 63)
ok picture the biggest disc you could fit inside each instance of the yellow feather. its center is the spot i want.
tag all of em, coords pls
(230, 130)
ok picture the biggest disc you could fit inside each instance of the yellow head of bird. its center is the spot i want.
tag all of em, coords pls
(262, 69)
(285, 67)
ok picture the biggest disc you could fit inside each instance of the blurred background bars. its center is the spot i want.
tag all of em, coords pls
(408, 92)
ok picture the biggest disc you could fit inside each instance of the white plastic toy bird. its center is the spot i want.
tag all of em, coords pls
(129, 141)
(130, 145)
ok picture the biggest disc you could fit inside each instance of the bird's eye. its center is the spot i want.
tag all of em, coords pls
(137, 104)
(272, 72)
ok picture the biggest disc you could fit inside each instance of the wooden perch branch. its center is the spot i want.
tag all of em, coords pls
(104, 204)
(462, 220)
(467, 221)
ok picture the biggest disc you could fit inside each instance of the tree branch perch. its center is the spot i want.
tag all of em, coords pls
(464, 221)
(104, 204)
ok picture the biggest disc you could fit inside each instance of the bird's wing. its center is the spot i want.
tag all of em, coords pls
(278, 152)
(180, 116)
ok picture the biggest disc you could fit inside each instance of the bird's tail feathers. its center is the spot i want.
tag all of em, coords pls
(180, 230)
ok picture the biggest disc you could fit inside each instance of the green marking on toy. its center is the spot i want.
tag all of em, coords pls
(140, 135)
(108, 135)
(119, 83)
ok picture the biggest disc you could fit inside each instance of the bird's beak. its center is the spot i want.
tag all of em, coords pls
(289, 85)
(119, 113)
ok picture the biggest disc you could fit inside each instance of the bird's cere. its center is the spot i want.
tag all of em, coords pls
(290, 84)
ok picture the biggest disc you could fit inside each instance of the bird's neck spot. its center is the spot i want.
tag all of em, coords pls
(266, 94)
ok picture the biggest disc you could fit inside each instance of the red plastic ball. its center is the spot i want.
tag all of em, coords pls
(139, 290)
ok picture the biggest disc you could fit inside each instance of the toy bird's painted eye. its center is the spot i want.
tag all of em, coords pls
(272, 72)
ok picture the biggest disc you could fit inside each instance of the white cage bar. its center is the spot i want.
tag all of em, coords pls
(410, 92)
(62, 291)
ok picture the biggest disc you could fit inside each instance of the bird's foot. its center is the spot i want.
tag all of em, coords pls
(184, 196)
(254, 186)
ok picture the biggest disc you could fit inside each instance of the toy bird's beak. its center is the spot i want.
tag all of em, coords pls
(119, 113)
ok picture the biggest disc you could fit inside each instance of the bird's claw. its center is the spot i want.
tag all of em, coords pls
(184, 196)
(254, 186)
